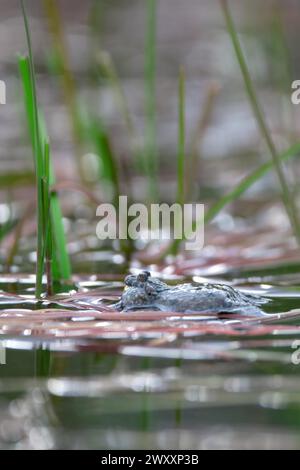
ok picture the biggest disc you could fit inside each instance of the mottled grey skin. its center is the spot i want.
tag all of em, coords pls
(148, 293)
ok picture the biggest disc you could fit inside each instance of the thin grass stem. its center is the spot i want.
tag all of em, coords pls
(287, 198)
(151, 156)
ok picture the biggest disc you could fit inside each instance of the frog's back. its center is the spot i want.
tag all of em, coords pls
(214, 298)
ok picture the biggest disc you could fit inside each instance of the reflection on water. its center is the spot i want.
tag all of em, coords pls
(162, 409)
(80, 375)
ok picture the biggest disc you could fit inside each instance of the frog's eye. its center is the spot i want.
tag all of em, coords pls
(143, 277)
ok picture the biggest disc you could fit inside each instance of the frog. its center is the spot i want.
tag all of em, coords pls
(145, 292)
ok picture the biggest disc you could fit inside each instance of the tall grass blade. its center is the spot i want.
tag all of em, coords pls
(25, 71)
(61, 259)
(151, 156)
(46, 203)
(203, 121)
(180, 151)
(248, 181)
(109, 70)
(108, 165)
(239, 190)
(181, 139)
(68, 81)
(288, 200)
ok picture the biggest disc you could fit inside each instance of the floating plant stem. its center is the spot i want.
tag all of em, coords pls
(287, 198)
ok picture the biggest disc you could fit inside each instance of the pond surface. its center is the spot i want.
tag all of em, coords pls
(80, 375)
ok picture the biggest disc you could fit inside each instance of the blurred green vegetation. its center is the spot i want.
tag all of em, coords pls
(91, 133)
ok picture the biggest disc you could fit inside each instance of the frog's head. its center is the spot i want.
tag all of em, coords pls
(137, 281)
(140, 292)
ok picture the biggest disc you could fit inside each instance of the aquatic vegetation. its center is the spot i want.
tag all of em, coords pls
(51, 243)
(287, 197)
(121, 106)
(151, 153)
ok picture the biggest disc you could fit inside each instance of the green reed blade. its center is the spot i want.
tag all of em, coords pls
(109, 165)
(32, 119)
(46, 230)
(56, 28)
(287, 198)
(181, 174)
(248, 181)
(181, 138)
(109, 70)
(151, 156)
(60, 256)
(239, 189)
